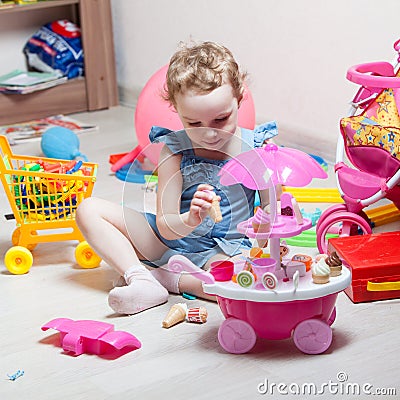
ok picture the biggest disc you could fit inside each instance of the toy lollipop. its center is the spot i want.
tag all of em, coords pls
(269, 281)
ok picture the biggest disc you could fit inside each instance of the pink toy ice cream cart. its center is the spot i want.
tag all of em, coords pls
(279, 300)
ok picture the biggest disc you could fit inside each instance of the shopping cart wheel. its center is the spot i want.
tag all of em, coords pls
(17, 234)
(236, 336)
(312, 336)
(18, 260)
(343, 224)
(85, 256)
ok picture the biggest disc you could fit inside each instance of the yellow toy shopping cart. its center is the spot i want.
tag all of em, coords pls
(43, 194)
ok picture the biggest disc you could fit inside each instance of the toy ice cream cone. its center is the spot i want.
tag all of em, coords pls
(335, 264)
(197, 314)
(215, 210)
(261, 221)
(320, 271)
(320, 279)
(176, 314)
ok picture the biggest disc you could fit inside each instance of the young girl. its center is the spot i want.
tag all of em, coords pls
(205, 86)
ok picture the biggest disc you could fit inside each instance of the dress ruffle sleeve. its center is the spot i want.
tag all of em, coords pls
(177, 141)
(264, 132)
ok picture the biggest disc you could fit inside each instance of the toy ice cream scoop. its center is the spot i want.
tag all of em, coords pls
(335, 264)
(176, 314)
(320, 271)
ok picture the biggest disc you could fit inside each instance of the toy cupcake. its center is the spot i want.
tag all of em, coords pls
(335, 264)
(320, 271)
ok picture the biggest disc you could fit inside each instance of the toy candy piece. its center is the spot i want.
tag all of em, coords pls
(215, 210)
(269, 281)
(197, 314)
(245, 279)
(293, 266)
(307, 260)
(176, 314)
(255, 252)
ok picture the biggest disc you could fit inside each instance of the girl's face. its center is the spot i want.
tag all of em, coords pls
(214, 113)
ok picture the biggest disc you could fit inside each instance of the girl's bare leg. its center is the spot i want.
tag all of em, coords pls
(180, 283)
(104, 225)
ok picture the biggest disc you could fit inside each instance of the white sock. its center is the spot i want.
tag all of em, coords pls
(143, 292)
(170, 280)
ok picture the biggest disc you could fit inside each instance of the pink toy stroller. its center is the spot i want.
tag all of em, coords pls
(370, 137)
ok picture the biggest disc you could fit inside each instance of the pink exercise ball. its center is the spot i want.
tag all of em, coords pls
(152, 110)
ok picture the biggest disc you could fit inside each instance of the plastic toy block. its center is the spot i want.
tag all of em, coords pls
(314, 195)
(384, 214)
(93, 337)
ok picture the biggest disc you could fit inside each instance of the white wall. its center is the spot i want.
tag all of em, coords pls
(297, 53)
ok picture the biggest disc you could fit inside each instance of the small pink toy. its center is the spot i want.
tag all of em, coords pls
(92, 337)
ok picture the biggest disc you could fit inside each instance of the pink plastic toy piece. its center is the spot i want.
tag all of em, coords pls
(222, 270)
(361, 74)
(341, 223)
(180, 264)
(93, 337)
(236, 336)
(312, 336)
(282, 165)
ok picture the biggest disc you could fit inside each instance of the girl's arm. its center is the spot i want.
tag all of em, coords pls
(171, 224)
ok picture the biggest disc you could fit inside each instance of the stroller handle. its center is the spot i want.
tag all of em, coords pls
(361, 74)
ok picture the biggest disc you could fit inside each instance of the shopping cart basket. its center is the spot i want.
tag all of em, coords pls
(43, 194)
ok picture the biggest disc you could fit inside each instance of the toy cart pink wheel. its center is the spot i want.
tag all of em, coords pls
(236, 336)
(312, 336)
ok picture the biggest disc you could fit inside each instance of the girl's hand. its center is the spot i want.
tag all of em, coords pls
(200, 204)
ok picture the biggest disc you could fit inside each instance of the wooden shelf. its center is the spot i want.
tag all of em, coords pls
(97, 90)
(15, 8)
(44, 103)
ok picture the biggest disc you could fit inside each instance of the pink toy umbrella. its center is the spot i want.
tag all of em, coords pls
(266, 167)
(269, 166)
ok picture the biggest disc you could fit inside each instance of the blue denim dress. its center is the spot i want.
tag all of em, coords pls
(237, 201)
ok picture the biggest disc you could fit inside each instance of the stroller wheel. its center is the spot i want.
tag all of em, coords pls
(328, 212)
(312, 336)
(236, 336)
(343, 224)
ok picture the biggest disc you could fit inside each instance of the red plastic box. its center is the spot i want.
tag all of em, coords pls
(374, 261)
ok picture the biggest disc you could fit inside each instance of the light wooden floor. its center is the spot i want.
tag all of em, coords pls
(184, 362)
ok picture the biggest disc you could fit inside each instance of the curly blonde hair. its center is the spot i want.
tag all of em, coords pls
(202, 68)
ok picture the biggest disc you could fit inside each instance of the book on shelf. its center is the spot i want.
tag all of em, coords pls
(21, 132)
(23, 82)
